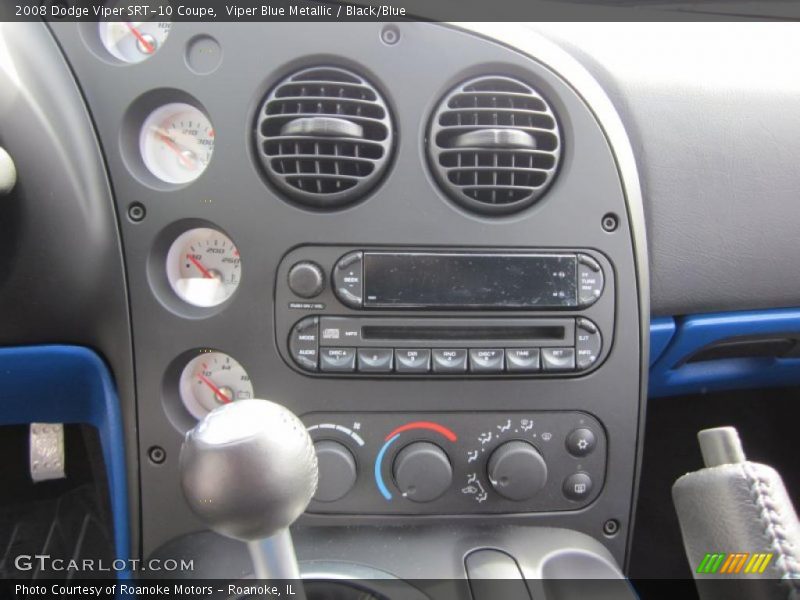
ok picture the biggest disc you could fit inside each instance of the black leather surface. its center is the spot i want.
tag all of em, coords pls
(712, 114)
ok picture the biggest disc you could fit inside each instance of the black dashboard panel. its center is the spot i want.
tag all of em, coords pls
(591, 207)
(711, 111)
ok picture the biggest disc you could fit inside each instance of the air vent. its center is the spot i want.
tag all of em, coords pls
(494, 144)
(324, 136)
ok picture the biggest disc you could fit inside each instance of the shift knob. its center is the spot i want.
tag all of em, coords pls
(248, 469)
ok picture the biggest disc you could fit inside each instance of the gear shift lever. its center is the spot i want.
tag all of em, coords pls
(249, 470)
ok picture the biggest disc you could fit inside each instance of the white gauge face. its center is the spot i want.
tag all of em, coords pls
(212, 379)
(203, 267)
(176, 142)
(133, 41)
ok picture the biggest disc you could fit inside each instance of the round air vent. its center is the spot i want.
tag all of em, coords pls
(324, 136)
(494, 144)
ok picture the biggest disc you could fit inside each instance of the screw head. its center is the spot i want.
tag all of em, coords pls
(157, 455)
(136, 212)
(390, 35)
(610, 222)
(611, 527)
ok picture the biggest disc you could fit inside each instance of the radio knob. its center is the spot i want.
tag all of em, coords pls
(517, 471)
(337, 470)
(422, 471)
(306, 279)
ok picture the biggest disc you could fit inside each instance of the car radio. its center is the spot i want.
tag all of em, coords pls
(433, 312)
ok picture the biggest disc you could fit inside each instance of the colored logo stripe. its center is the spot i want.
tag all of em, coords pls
(731, 564)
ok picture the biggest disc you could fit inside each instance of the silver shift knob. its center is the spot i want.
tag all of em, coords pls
(249, 470)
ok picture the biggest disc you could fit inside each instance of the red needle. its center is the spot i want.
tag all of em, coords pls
(174, 147)
(223, 398)
(148, 47)
(206, 273)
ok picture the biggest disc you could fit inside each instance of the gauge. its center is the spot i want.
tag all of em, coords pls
(203, 267)
(212, 379)
(176, 142)
(133, 41)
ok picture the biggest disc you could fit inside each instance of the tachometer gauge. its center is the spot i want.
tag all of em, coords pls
(211, 379)
(203, 267)
(133, 41)
(176, 142)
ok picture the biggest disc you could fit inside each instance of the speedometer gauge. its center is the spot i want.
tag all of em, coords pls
(176, 142)
(133, 41)
(212, 379)
(203, 267)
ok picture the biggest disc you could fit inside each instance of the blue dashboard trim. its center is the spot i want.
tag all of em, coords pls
(671, 375)
(69, 384)
(661, 331)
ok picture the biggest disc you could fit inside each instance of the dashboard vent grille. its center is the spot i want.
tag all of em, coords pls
(324, 136)
(494, 144)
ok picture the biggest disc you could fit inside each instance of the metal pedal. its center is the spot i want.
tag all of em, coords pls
(47, 459)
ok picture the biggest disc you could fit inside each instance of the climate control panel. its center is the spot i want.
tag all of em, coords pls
(457, 463)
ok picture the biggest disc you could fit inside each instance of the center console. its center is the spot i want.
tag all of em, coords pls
(434, 258)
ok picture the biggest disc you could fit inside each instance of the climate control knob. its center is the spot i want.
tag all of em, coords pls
(422, 471)
(337, 471)
(517, 471)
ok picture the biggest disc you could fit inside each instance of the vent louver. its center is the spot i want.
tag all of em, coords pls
(324, 136)
(494, 144)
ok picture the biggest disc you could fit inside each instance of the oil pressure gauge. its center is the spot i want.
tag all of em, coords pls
(203, 267)
(210, 380)
(133, 41)
(176, 142)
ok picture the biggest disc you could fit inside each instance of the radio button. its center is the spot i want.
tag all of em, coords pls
(558, 359)
(337, 359)
(590, 280)
(348, 279)
(522, 360)
(485, 360)
(412, 360)
(588, 343)
(304, 343)
(375, 360)
(449, 360)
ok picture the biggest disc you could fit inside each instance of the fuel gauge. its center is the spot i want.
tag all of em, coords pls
(203, 267)
(212, 379)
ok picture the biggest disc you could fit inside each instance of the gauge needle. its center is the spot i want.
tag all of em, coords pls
(218, 392)
(148, 47)
(187, 162)
(206, 273)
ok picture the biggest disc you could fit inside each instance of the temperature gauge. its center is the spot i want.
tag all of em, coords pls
(203, 267)
(133, 41)
(212, 379)
(176, 142)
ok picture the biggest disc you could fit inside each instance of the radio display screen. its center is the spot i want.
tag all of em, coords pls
(466, 280)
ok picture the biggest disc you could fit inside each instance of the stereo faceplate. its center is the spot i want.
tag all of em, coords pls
(468, 325)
